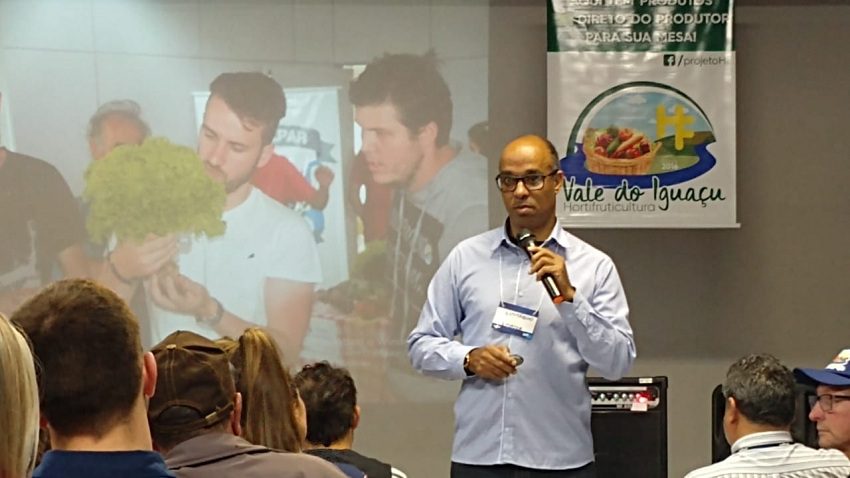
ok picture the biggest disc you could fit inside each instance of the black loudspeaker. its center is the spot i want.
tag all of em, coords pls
(802, 429)
(629, 423)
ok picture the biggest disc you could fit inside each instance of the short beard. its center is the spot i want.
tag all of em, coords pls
(234, 184)
(231, 185)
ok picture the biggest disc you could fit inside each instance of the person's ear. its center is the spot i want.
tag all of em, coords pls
(236, 415)
(731, 414)
(265, 155)
(559, 181)
(731, 419)
(148, 375)
(428, 135)
(94, 148)
(355, 419)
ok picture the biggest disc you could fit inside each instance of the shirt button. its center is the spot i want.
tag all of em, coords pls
(520, 294)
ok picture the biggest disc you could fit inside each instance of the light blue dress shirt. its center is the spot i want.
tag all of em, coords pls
(539, 417)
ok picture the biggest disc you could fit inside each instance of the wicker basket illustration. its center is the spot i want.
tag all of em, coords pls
(600, 164)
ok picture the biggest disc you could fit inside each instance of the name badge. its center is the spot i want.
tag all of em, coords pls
(515, 320)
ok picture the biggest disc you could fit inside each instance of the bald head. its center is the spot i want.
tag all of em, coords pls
(115, 130)
(529, 180)
(115, 123)
(530, 146)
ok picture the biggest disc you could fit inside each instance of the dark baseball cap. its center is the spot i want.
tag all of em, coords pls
(193, 373)
(835, 374)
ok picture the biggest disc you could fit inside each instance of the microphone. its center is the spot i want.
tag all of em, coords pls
(526, 239)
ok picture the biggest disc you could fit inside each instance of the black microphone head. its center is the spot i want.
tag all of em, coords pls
(525, 238)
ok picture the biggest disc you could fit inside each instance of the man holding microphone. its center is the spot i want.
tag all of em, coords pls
(534, 420)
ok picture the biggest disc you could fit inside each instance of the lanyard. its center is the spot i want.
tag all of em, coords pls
(766, 445)
(409, 261)
(516, 291)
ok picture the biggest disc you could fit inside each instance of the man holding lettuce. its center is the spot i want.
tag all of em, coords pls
(263, 269)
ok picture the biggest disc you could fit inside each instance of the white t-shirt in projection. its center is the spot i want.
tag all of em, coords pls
(264, 239)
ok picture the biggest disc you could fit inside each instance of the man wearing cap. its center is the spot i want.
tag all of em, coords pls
(195, 418)
(830, 410)
(760, 403)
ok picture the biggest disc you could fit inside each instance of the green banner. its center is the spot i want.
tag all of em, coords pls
(640, 25)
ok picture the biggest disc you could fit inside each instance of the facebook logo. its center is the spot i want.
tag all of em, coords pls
(670, 60)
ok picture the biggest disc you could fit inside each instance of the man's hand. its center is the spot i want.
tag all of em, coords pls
(178, 293)
(134, 260)
(544, 261)
(492, 362)
(324, 176)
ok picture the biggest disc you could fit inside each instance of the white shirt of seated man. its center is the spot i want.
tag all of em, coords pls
(760, 405)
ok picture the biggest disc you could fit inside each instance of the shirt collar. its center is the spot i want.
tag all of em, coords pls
(96, 464)
(208, 446)
(558, 235)
(756, 440)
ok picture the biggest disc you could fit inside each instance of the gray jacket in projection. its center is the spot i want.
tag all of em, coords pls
(426, 225)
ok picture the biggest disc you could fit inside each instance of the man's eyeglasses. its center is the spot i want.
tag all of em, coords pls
(827, 400)
(532, 182)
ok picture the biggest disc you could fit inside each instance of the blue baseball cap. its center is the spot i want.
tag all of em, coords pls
(835, 374)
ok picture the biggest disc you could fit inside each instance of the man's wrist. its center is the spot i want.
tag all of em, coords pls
(466, 368)
(114, 269)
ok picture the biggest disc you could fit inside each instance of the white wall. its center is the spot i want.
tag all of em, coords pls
(65, 57)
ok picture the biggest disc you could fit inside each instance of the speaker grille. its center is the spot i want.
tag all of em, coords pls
(630, 440)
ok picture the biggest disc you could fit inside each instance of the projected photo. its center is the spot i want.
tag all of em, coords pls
(219, 185)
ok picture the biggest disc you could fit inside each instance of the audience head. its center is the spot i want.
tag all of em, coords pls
(273, 414)
(330, 397)
(759, 393)
(831, 403)
(113, 124)
(195, 391)
(94, 375)
(18, 403)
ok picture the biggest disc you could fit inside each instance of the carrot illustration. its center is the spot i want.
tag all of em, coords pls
(629, 142)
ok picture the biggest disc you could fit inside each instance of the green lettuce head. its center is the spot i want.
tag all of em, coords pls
(157, 187)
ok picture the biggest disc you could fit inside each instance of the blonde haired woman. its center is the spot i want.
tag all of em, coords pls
(273, 414)
(18, 404)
